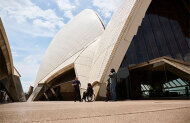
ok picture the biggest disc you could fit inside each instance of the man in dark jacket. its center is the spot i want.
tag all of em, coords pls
(76, 84)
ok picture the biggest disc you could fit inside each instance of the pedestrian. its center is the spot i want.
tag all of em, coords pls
(76, 83)
(108, 92)
(113, 82)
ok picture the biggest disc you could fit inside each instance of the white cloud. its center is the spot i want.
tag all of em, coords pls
(68, 14)
(25, 13)
(34, 59)
(77, 2)
(28, 69)
(46, 24)
(67, 6)
(106, 7)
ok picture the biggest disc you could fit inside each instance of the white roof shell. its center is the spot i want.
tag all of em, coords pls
(68, 44)
(116, 39)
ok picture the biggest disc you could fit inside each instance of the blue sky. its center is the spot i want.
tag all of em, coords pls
(31, 24)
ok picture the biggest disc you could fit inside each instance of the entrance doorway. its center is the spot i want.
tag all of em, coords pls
(60, 88)
(160, 78)
(123, 84)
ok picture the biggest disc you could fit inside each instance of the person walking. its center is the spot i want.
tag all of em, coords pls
(76, 83)
(113, 82)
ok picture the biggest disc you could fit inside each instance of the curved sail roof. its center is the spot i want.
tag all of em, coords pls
(75, 36)
(6, 61)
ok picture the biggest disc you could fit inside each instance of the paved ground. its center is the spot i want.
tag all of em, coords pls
(154, 111)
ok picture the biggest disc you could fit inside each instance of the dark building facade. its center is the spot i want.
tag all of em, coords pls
(164, 31)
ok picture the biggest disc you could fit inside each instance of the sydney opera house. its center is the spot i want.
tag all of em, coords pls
(146, 41)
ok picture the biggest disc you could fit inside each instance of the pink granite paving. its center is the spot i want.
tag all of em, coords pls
(149, 111)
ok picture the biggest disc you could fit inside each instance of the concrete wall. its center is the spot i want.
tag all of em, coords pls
(13, 87)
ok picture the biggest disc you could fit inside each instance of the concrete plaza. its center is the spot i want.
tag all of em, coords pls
(140, 111)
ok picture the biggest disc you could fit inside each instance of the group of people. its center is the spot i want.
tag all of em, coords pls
(110, 88)
(76, 83)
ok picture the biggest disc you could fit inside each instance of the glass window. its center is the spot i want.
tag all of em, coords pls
(181, 82)
(168, 85)
(172, 84)
(165, 86)
(186, 82)
(176, 82)
(147, 87)
(143, 87)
